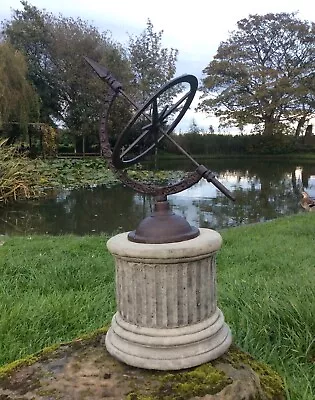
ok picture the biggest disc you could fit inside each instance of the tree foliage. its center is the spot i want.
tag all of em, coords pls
(69, 91)
(29, 32)
(81, 91)
(18, 99)
(152, 64)
(54, 47)
(263, 74)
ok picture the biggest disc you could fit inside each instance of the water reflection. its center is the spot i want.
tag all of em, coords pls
(263, 190)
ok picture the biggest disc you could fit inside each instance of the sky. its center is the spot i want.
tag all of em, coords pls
(194, 28)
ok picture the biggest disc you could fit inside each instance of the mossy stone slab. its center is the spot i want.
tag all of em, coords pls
(83, 369)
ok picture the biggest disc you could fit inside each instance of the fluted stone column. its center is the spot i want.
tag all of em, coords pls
(167, 315)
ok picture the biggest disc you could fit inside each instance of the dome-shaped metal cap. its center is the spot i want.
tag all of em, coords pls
(163, 226)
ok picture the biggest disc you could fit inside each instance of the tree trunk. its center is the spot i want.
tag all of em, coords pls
(11, 140)
(155, 158)
(294, 185)
(30, 139)
(83, 145)
(41, 144)
(309, 130)
(300, 125)
(269, 126)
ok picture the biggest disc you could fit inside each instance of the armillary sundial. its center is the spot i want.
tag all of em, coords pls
(153, 124)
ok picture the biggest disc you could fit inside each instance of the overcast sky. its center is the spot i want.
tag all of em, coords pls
(195, 28)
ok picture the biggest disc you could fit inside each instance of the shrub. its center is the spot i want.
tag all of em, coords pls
(18, 177)
(205, 144)
(275, 144)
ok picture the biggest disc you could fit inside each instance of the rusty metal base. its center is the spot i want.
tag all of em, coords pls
(163, 226)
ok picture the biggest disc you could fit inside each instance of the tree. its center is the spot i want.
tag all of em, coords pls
(263, 74)
(70, 92)
(194, 128)
(29, 32)
(18, 99)
(81, 91)
(152, 64)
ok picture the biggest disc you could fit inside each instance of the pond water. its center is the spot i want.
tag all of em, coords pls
(264, 190)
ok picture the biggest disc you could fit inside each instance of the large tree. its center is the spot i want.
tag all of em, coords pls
(70, 92)
(18, 99)
(54, 47)
(81, 91)
(263, 74)
(29, 32)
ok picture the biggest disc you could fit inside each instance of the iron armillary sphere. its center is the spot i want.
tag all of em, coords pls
(157, 128)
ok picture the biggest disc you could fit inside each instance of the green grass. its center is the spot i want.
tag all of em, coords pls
(53, 289)
(266, 276)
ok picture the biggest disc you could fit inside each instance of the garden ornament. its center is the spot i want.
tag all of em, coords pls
(167, 316)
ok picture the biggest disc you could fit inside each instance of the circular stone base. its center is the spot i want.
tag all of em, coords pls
(171, 348)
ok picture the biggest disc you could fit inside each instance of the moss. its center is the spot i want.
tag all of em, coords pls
(47, 351)
(9, 368)
(135, 396)
(270, 381)
(202, 380)
(26, 361)
(89, 337)
(207, 379)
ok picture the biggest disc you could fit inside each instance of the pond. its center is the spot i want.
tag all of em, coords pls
(264, 190)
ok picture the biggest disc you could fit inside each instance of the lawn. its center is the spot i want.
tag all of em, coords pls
(56, 288)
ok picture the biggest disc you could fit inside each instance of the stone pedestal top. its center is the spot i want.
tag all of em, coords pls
(206, 243)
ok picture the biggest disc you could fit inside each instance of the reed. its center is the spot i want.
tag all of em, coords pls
(18, 176)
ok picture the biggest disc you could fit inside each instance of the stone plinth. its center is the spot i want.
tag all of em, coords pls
(167, 315)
